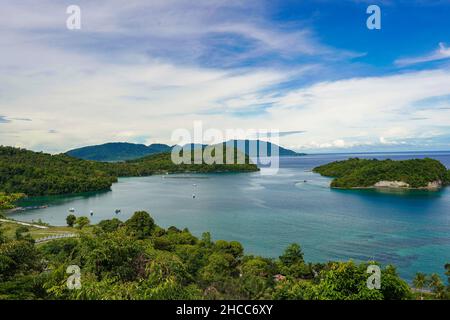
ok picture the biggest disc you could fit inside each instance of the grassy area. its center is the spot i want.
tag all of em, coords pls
(9, 230)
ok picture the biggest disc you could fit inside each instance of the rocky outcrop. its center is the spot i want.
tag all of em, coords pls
(433, 185)
(391, 184)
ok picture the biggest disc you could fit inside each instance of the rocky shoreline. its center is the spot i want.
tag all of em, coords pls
(432, 186)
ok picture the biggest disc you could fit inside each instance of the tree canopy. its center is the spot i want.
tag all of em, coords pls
(138, 259)
(360, 173)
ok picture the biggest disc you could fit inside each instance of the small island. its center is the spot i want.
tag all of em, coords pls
(355, 173)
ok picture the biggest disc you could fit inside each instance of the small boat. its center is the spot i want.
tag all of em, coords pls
(92, 213)
(72, 210)
(117, 211)
(193, 196)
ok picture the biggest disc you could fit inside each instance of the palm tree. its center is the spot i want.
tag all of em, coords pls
(419, 282)
(435, 283)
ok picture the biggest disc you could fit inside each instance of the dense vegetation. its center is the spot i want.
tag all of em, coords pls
(359, 173)
(33, 173)
(7, 200)
(117, 151)
(137, 259)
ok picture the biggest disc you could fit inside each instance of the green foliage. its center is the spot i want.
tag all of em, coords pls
(117, 151)
(360, 173)
(140, 260)
(113, 255)
(392, 286)
(19, 234)
(162, 163)
(437, 286)
(420, 280)
(7, 200)
(17, 257)
(32, 173)
(110, 225)
(140, 225)
(70, 220)
(292, 255)
(36, 173)
(82, 222)
(2, 236)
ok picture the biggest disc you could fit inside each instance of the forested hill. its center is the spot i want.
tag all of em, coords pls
(365, 173)
(36, 173)
(117, 151)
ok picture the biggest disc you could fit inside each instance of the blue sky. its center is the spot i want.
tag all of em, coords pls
(138, 70)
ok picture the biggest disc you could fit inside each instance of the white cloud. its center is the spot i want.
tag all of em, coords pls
(359, 111)
(123, 79)
(443, 52)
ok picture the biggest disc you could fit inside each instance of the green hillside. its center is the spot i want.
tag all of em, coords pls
(117, 151)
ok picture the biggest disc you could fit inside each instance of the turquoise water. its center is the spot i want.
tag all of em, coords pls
(266, 213)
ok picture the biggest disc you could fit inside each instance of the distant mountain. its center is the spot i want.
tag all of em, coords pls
(252, 148)
(122, 151)
(117, 151)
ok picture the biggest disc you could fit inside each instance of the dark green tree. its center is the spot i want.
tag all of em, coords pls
(82, 222)
(70, 220)
(110, 225)
(292, 255)
(140, 225)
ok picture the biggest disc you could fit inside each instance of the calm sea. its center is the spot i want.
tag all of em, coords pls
(266, 213)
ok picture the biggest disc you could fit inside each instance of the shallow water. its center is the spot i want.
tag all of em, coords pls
(266, 213)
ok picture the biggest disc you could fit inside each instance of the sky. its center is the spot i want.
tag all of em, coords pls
(137, 71)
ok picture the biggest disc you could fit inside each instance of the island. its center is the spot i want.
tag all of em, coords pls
(355, 173)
